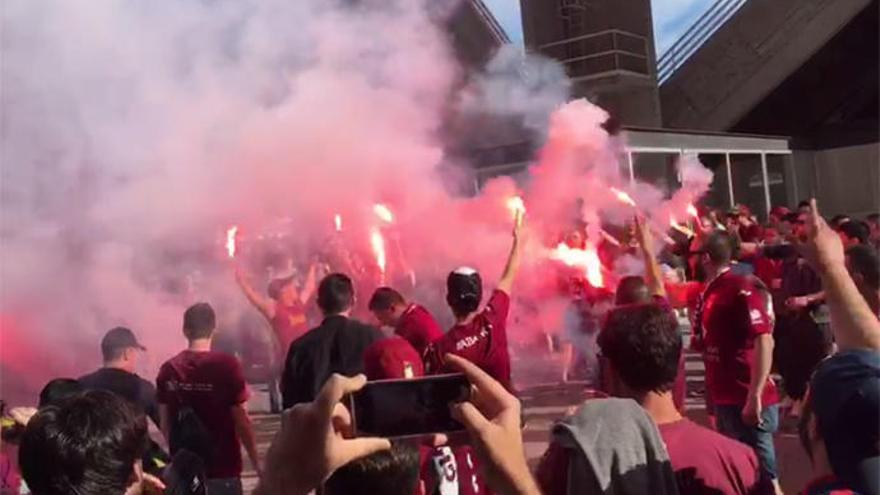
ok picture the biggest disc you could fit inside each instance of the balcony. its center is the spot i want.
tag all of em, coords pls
(602, 54)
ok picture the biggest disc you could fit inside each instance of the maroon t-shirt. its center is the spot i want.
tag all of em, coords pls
(418, 327)
(447, 470)
(732, 312)
(482, 341)
(211, 383)
(705, 461)
(289, 324)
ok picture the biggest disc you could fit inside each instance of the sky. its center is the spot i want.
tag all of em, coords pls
(671, 18)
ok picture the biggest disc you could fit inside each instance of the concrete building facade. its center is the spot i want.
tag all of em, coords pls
(607, 49)
(807, 69)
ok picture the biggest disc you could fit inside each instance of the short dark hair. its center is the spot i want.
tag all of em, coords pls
(58, 390)
(464, 291)
(385, 298)
(335, 294)
(804, 203)
(632, 290)
(199, 321)
(838, 220)
(793, 217)
(721, 247)
(863, 259)
(393, 472)
(643, 345)
(855, 230)
(88, 446)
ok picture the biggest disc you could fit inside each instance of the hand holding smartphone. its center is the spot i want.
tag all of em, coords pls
(409, 407)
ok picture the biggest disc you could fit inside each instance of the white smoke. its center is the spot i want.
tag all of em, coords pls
(135, 133)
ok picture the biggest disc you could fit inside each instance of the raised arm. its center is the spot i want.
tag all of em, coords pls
(245, 430)
(853, 323)
(264, 305)
(310, 284)
(512, 267)
(653, 275)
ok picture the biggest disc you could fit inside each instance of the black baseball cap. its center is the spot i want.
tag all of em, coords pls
(845, 396)
(119, 338)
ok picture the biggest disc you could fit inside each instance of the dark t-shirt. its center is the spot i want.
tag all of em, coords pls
(705, 461)
(418, 326)
(139, 392)
(337, 346)
(211, 383)
(482, 341)
(828, 485)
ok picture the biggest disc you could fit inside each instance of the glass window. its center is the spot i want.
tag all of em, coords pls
(748, 183)
(658, 169)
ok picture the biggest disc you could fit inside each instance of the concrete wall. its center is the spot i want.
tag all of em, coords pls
(748, 57)
(844, 180)
(628, 92)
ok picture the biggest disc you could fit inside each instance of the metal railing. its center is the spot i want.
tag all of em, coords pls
(691, 41)
(484, 12)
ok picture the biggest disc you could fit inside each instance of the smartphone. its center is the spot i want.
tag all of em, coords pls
(409, 407)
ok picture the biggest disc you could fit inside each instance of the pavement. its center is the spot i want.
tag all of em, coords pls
(546, 400)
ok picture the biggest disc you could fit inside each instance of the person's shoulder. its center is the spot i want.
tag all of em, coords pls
(145, 385)
(89, 378)
(364, 328)
(701, 437)
(222, 359)
(169, 363)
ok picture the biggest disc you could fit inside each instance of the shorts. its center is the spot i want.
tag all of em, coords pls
(224, 486)
(760, 438)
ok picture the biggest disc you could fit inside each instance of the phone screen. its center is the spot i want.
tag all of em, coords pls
(413, 407)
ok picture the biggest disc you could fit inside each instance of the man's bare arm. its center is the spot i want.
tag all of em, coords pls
(763, 362)
(310, 284)
(653, 274)
(853, 323)
(513, 259)
(246, 432)
(265, 306)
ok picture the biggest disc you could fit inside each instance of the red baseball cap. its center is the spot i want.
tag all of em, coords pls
(392, 358)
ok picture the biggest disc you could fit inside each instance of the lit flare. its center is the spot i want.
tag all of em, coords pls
(681, 228)
(586, 259)
(378, 244)
(517, 208)
(692, 211)
(623, 197)
(609, 238)
(383, 212)
(231, 240)
(337, 220)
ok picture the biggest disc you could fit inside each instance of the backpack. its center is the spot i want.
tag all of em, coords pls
(188, 432)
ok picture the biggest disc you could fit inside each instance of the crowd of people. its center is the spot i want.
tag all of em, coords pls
(786, 317)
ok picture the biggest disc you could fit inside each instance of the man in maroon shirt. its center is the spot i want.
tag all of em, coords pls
(478, 336)
(285, 308)
(642, 347)
(211, 385)
(409, 320)
(735, 315)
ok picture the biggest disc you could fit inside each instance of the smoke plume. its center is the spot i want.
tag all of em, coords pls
(135, 133)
